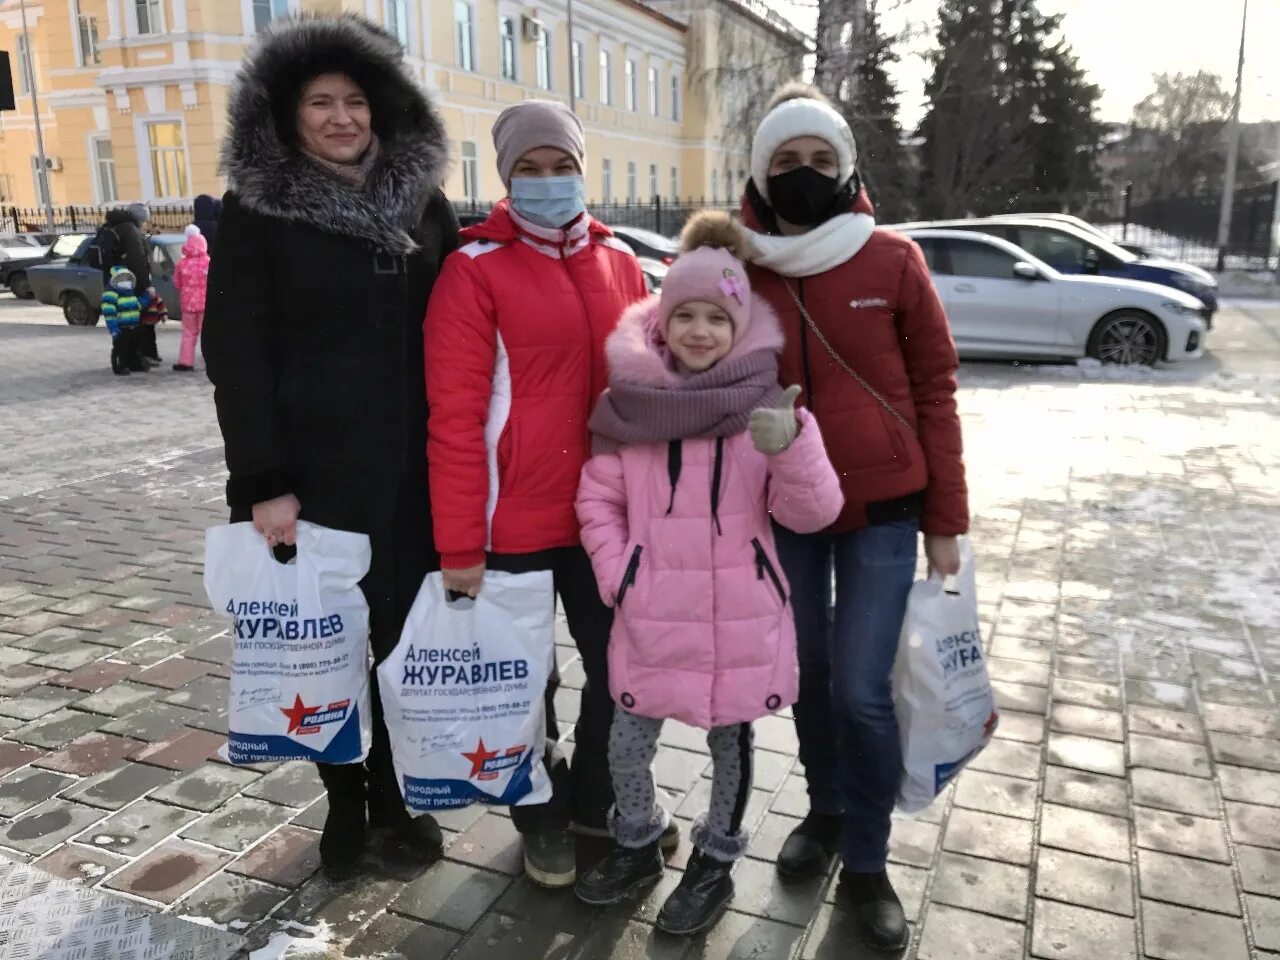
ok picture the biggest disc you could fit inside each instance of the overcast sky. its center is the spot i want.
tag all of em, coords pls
(1121, 43)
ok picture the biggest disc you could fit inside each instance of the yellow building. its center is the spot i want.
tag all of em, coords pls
(133, 93)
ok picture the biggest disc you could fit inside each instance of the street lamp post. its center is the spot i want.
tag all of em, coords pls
(573, 80)
(43, 173)
(1233, 153)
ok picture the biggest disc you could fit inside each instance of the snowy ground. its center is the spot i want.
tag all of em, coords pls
(1125, 523)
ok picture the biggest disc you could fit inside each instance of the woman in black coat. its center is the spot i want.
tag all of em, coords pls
(330, 239)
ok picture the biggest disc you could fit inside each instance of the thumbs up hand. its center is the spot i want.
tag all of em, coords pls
(773, 429)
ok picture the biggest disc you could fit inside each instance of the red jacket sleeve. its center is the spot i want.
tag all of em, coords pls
(460, 334)
(931, 362)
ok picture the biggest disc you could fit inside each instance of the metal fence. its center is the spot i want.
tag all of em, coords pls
(660, 215)
(171, 218)
(1186, 228)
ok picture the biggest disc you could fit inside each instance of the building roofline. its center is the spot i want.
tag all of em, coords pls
(765, 16)
(655, 14)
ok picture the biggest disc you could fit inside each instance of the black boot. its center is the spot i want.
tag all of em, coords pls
(417, 839)
(811, 847)
(702, 896)
(118, 365)
(342, 841)
(882, 924)
(624, 872)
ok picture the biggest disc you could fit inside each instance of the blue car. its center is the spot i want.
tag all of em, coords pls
(1069, 249)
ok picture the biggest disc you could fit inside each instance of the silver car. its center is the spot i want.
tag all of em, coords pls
(76, 287)
(1003, 302)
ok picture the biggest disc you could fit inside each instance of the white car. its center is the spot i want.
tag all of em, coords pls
(1003, 302)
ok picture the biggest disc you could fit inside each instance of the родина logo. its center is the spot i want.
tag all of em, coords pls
(487, 764)
(304, 719)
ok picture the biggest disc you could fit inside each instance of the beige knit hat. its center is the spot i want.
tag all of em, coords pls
(537, 123)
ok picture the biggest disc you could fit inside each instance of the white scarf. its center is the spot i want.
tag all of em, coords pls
(825, 246)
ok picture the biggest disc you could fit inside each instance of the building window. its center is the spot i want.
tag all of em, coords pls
(675, 183)
(87, 32)
(104, 170)
(150, 15)
(264, 11)
(543, 48)
(40, 176)
(675, 96)
(632, 187)
(464, 34)
(398, 21)
(630, 79)
(579, 74)
(507, 47)
(6, 188)
(655, 94)
(168, 159)
(606, 182)
(470, 173)
(26, 68)
(715, 186)
(606, 78)
(653, 180)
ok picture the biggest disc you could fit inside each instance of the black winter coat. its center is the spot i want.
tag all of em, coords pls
(313, 329)
(131, 250)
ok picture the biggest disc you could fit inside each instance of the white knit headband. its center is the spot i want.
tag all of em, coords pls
(802, 117)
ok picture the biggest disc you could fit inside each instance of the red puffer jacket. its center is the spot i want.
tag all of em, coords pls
(881, 313)
(514, 335)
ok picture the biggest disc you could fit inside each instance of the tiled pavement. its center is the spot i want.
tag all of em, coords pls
(1130, 586)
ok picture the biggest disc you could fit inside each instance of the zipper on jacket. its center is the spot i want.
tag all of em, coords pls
(717, 476)
(765, 566)
(629, 578)
(586, 322)
(804, 355)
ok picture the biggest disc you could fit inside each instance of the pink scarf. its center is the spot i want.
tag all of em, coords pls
(648, 402)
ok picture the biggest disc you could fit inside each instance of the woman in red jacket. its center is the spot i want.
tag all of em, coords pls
(515, 336)
(867, 340)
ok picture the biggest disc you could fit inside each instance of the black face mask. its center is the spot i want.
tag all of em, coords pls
(803, 196)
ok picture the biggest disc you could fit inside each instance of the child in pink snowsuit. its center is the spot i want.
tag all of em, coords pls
(191, 276)
(696, 449)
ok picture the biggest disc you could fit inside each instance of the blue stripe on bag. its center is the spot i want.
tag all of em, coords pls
(343, 748)
(423, 793)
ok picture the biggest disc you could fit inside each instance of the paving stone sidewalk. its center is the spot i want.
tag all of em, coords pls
(1126, 526)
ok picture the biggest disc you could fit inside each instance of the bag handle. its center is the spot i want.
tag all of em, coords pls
(840, 361)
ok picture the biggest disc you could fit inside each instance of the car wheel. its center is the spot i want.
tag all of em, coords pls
(20, 286)
(1128, 337)
(78, 311)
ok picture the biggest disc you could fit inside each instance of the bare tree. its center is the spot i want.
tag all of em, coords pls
(1181, 122)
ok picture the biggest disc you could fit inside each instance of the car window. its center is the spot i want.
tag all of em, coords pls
(929, 246)
(67, 245)
(1058, 249)
(159, 258)
(80, 250)
(972, 258)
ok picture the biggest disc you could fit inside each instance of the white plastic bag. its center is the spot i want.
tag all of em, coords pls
(462, 694)
(300, 670)
(941, 691)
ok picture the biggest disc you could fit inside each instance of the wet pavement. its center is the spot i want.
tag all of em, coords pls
(1126, 526)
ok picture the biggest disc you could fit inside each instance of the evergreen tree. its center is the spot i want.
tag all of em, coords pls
(852, 67)
(1010, 123)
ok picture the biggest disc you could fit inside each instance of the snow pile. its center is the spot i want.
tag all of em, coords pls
(296, 941)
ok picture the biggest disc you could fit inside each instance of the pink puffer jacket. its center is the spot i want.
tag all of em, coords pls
(704, 631)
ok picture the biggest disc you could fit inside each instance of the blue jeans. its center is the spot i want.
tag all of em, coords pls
(846, 674)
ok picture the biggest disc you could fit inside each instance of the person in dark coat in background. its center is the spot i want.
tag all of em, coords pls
(132, 253)
(335, 229)
(207, 213)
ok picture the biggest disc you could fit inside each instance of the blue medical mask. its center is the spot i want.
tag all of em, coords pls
(549, 202)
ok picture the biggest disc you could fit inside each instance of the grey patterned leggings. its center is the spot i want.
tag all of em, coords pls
(637, 820)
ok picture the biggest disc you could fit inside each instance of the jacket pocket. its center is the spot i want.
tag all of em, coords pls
(765, 569)
(508, 456)
(629, 575)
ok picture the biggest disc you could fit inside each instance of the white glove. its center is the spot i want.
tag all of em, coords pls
(772, 430)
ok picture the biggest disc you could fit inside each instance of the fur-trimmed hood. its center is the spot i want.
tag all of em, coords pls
(272, 176)
(637, 350)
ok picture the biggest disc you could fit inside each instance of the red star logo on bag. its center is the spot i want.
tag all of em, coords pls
(989, 727)
(296, 713)
(479, 757)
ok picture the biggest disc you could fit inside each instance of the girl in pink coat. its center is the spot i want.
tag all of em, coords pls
(191, 277)
(695, 449)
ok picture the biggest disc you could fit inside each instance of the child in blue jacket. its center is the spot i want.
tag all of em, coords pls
(123, 313)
